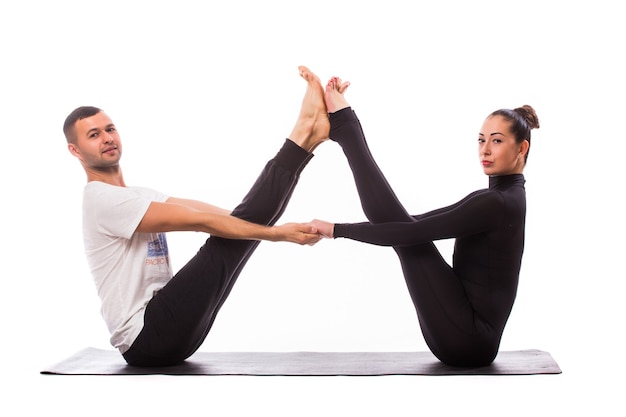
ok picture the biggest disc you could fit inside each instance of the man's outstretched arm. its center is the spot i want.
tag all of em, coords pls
(198, 205)
(171, 217)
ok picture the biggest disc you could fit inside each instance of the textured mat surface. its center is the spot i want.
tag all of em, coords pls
(92, 361)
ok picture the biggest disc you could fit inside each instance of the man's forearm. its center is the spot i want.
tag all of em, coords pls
(229, 227)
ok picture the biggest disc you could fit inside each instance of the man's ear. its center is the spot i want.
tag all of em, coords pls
(73, 150)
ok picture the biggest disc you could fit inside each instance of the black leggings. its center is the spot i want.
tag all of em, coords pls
(178, 318)
(445, 313)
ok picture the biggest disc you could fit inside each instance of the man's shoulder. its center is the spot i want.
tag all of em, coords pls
(96, 190)
(101, 187)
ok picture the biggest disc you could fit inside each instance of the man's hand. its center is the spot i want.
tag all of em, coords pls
(325, 229)
(300, 233)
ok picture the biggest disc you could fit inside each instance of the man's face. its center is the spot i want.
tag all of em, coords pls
(98, 145)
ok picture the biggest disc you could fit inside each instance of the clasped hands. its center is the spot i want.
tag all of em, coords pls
(304, 233)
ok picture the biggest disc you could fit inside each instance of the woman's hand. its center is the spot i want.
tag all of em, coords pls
(324, 228)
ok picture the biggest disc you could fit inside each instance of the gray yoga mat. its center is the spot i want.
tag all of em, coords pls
(92, 361)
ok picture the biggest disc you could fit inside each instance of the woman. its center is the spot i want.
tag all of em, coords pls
(463, 308)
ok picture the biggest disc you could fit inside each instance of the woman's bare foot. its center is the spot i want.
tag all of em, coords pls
(312, 127)
(333, 96)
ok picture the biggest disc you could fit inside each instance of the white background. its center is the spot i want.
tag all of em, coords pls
(204, 93)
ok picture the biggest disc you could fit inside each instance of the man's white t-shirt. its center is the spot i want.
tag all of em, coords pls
(128, 268)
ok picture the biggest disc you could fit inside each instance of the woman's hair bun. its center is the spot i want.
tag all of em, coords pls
(528, 114)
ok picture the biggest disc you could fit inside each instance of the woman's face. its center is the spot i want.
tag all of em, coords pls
(498, 152)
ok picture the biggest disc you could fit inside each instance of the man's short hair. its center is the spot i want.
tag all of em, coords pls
(80, 113)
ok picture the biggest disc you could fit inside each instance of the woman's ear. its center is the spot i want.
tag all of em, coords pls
(524, 147)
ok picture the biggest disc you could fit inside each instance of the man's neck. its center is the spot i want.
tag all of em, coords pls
(113, 176)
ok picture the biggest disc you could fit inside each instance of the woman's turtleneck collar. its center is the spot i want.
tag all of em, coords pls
(499, 182)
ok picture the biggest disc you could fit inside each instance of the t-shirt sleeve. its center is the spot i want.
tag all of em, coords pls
(117, 211)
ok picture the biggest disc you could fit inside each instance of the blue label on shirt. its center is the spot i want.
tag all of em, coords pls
(158, 247)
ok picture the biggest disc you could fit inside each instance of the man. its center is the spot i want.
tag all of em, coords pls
(157, 318)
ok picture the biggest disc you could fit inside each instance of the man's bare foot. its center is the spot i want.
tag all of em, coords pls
(333, 96)
(312, 127)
